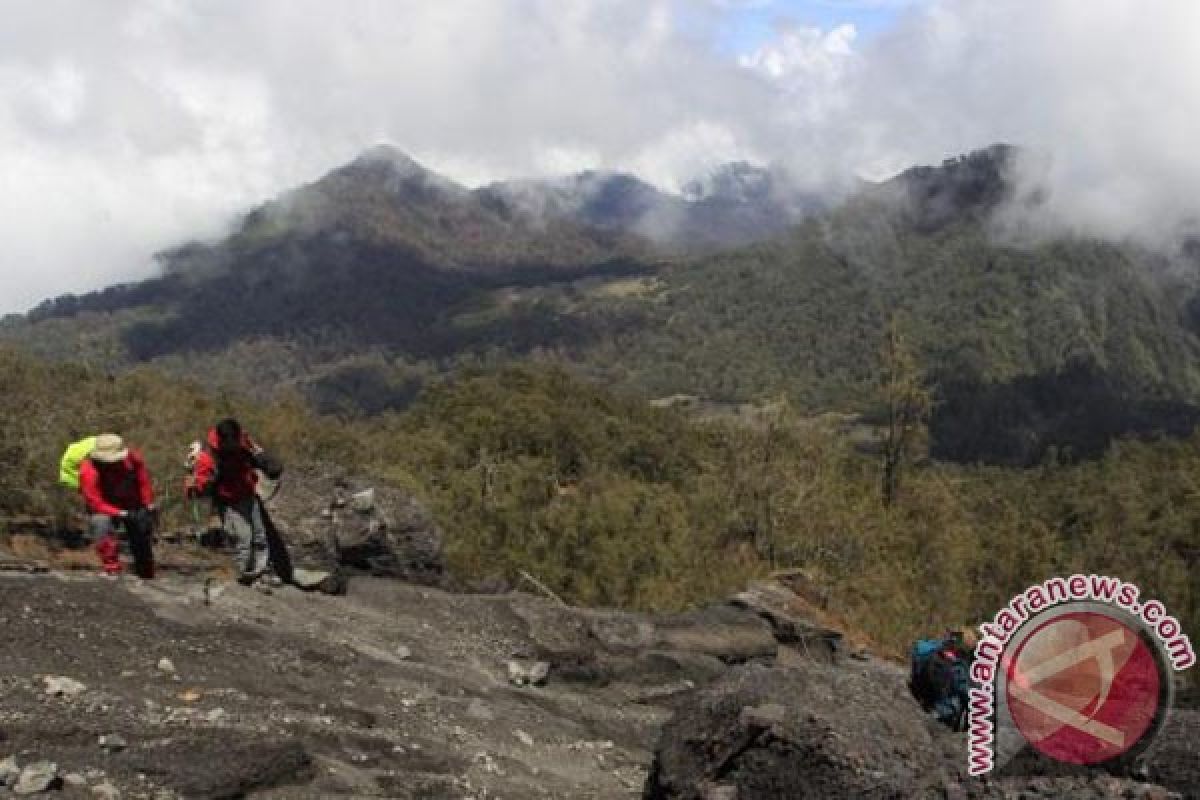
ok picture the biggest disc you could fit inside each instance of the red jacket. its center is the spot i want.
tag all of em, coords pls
(113, 488)
(231, 478)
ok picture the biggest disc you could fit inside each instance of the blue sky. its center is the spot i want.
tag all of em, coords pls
(749, 23)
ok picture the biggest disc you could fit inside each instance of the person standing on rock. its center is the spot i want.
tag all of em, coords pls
(116, 487)
(227, 471)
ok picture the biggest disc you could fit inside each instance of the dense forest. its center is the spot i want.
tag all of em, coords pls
(614, 502)
(361, 288)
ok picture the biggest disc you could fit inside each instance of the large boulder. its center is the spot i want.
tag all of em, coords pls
(790, 619)
(599, 646)
(726, 632)
(839, 730)
(334, 521)
(807, 731)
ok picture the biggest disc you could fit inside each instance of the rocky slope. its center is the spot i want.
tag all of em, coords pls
(185, 689)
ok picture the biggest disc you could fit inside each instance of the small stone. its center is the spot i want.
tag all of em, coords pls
(531, 673)
(106, 791)
(165, 665)
(38, 777)
(403, 652)
(113, 742)
(954, 791)
(538, 672)
(9, 771)
(477, 709)
(61, 686)
(75, 779)
(363, 502)
(720, 791)
(1157, 793)
(524, 738)
(763, 717)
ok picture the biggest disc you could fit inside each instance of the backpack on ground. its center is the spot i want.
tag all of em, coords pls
(939, 679)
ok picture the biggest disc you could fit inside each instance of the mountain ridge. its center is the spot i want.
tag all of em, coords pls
(381, 273)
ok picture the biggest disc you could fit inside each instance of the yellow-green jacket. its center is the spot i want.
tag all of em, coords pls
(68, 469)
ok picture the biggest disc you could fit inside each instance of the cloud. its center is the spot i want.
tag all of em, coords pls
(128, 128)
(129, 125)
(742, 5)
(803, 51)
(1105, 96)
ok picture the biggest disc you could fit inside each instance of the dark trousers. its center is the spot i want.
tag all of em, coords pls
(139, 530)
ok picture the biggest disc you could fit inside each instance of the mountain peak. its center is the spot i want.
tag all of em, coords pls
(389, 156)
(738, 181)
(386, 170)
(971, 184)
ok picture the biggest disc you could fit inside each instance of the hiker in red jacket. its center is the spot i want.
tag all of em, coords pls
(227, 470)
(116, 488)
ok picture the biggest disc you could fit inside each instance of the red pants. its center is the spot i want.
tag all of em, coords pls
(140, 530)
(109, 552)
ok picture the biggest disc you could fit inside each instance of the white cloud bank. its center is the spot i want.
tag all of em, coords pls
(128, 125)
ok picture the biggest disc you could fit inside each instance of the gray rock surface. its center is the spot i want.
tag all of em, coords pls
(299, 696)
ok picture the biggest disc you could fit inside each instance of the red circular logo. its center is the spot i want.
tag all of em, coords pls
(1083, 687)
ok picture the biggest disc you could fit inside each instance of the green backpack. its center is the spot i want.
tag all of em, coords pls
(72, 459)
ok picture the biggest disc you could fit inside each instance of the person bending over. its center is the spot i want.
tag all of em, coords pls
(116, 488)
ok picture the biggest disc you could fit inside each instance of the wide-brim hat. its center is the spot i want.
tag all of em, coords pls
(109, 448)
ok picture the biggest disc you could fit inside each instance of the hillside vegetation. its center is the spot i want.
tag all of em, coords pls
(612, 502)
(363, 287)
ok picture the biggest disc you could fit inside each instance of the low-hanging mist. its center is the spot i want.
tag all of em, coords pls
(131, 127)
